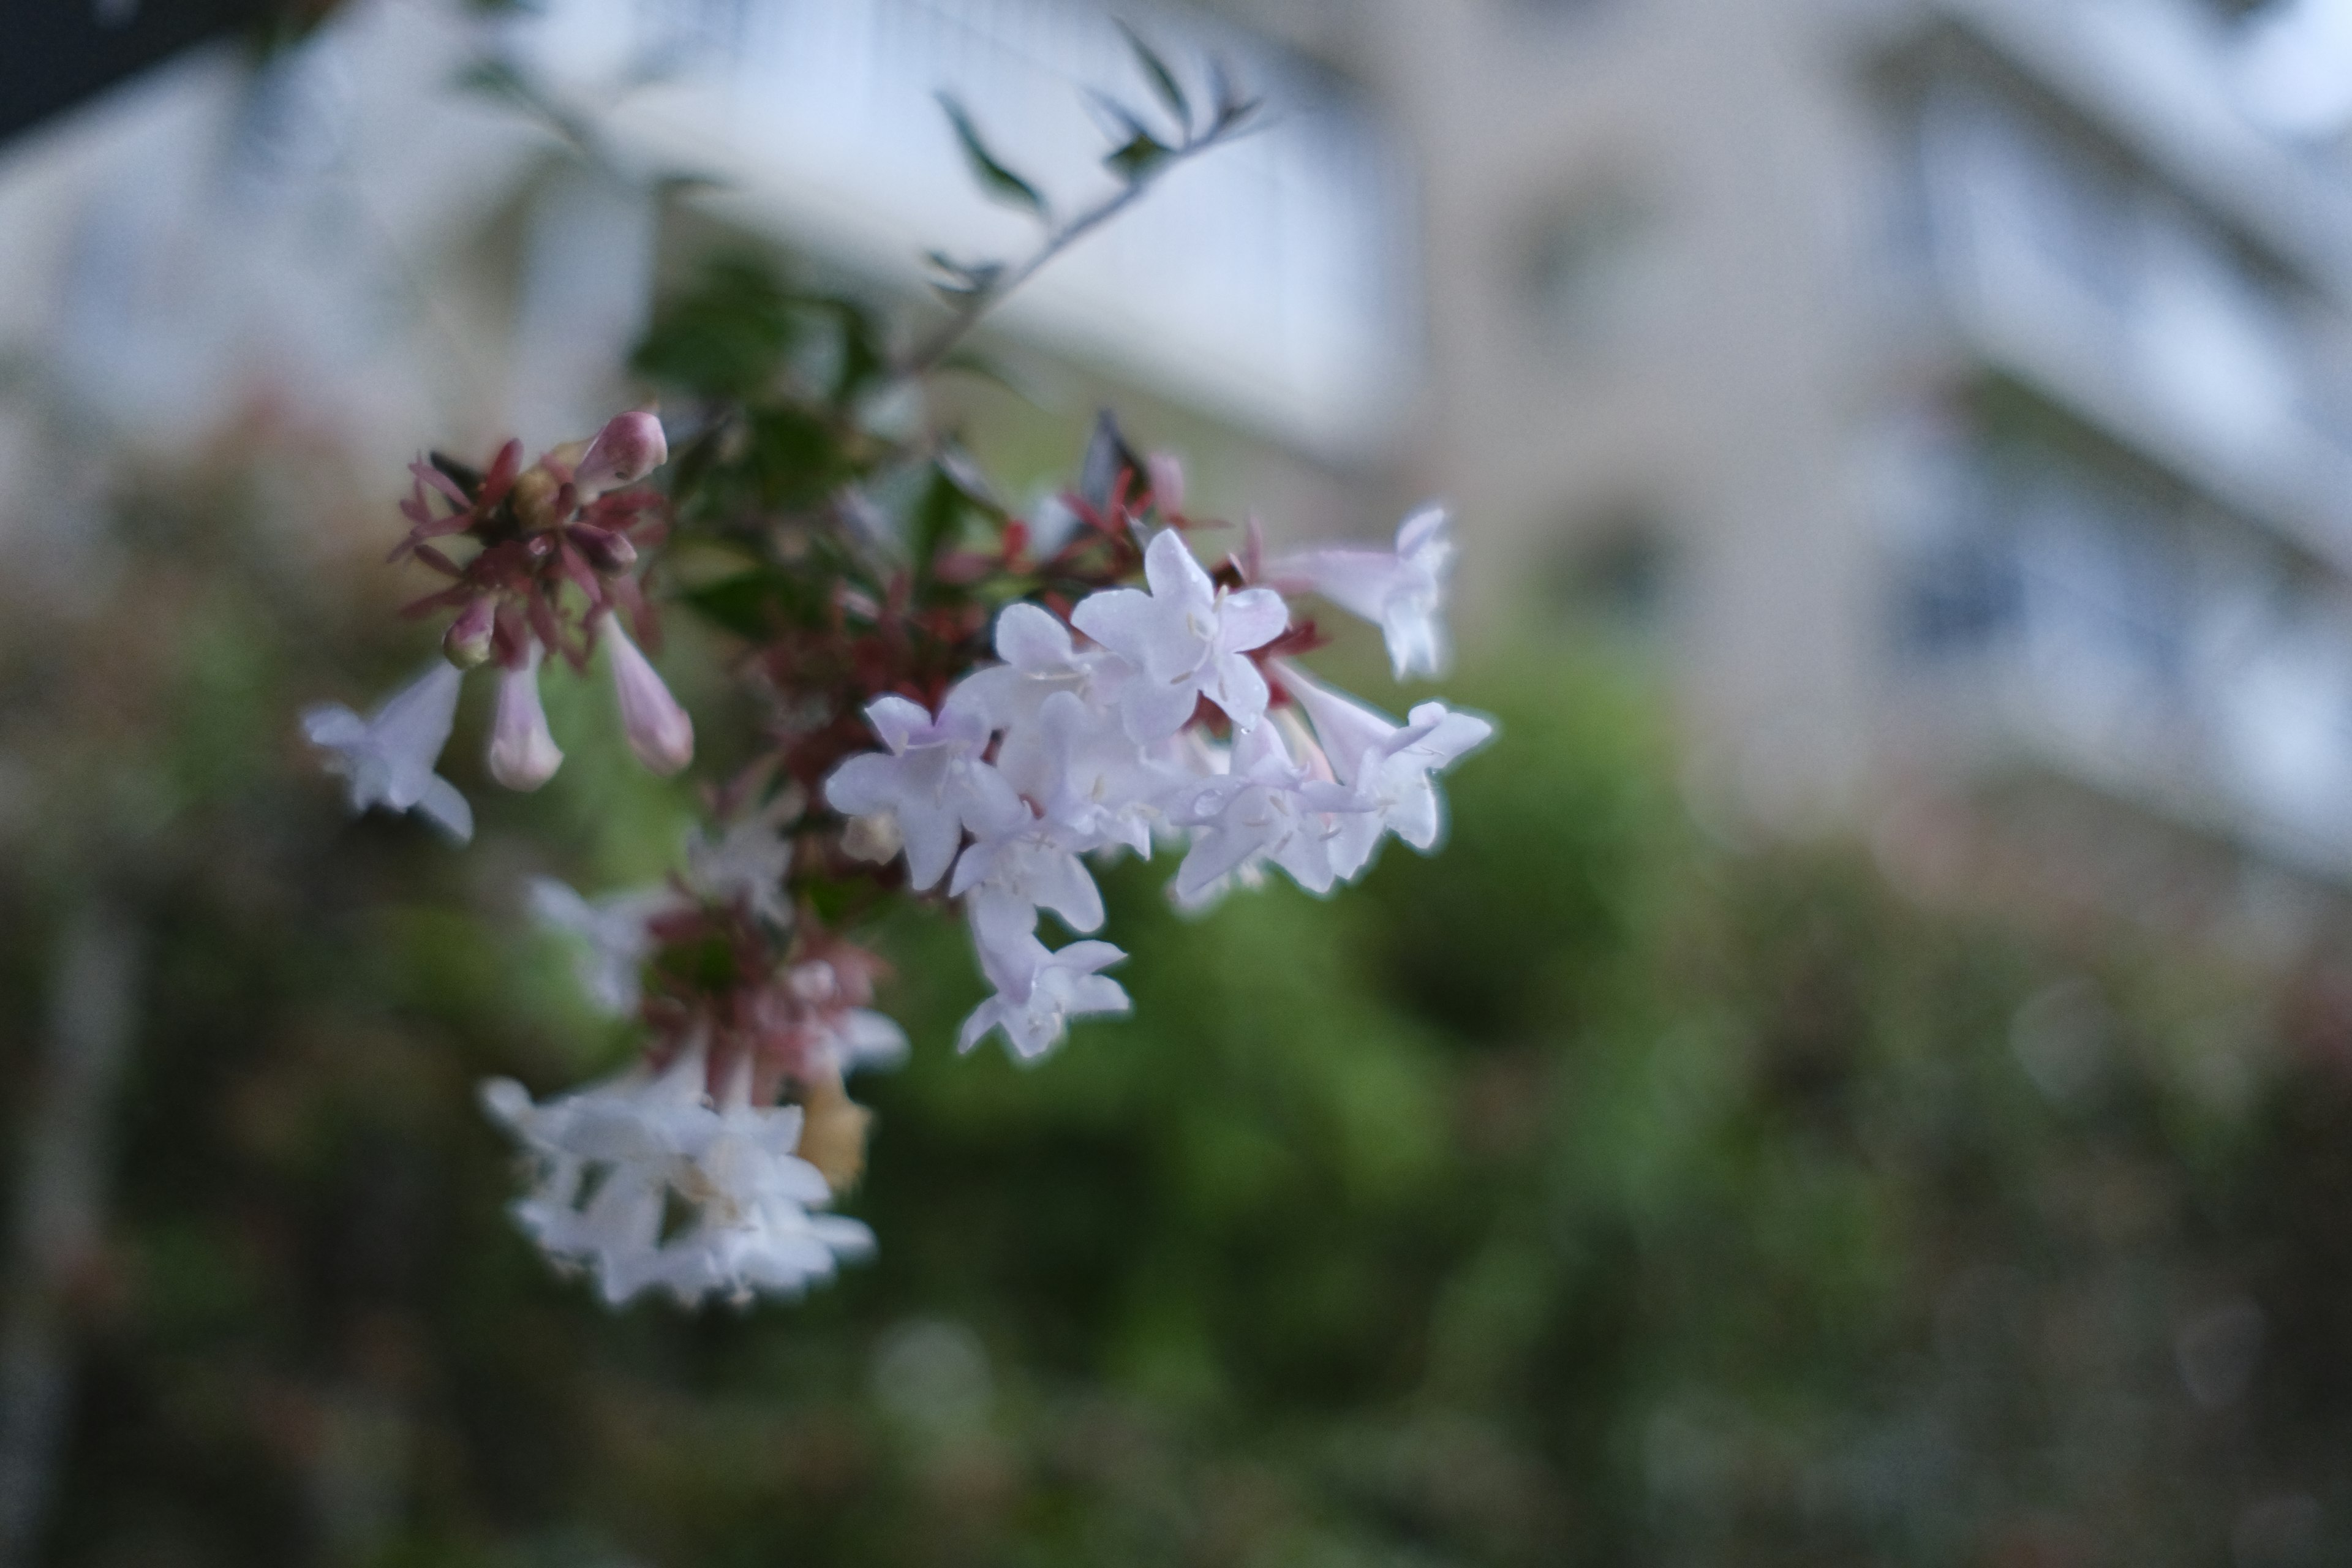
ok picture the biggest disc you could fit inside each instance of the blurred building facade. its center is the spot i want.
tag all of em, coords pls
(1951, 394)
(1953, 391)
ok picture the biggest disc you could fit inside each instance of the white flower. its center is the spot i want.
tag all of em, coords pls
(1384, 768)
(1402, 591)
(1260, 809)
(865, 1041)
(1055, 986)
(388, 758)
(1006, 877)
(1185, 639)
(931, 779)
(613, 929)
(1040, 664)
(1103, 788)
(523, 754)
(658, 731)
(747, 861)
(617, 1158)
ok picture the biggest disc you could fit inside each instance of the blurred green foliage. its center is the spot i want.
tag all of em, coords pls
(1589, 1193)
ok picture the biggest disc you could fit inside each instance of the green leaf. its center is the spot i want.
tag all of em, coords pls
(752, 604)
(795, 458)
(1135, 159)
(728, 336)
(1000, 181)
(1162, 80)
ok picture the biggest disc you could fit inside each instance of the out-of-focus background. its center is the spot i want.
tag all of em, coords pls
(1868, 1080)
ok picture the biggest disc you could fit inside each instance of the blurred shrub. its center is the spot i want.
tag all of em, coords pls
(1587, 1193)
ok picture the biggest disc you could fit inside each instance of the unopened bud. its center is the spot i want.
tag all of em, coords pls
(658, 731)
(467, 643)
(523, 752)
(604, 549)
(533, 497)
(627, 450)
(874, 838)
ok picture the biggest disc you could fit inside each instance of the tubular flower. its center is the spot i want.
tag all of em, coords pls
(1402, 591)
(1184, 640)
(387, 758)
(1136, 701)
(658, 731)
(614, 1160)
(523, 754)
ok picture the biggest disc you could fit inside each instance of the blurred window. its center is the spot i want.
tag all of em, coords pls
(1594, 273)
(1617, 573)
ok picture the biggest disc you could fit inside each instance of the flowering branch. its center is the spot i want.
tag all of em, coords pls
(959, 705)
(1139, 159)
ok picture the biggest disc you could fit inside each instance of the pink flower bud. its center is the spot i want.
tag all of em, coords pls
(658, 729)
(627, 450)
(523, 754)
(606, 551)
(467, 643)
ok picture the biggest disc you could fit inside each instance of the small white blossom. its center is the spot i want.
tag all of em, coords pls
(387, 758)
(1259, 809)
(931, 779)
(1054, 987)
(1384, 768)
(1104, 789)
(1040, 663)
(747, 861)
(612, 931)
(616, 1158)
(1402, 591)
(1006, 877)
(1185, 639)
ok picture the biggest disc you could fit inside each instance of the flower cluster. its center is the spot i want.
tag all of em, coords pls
(551, 568)
(1172, 723)
(1137, 703)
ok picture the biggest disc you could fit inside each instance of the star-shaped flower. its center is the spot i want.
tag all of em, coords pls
(1260, 809)
(1402, 591)
(388, 758)
(1185, 639)
(932, 780)
(617, 1156)
(1060, 985)
(1384, 768)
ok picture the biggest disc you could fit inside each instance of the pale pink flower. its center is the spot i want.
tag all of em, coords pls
(1401, 591)
(932, 780)
(1185, 639)
(627, 450)
(523, 754)
(659, 731)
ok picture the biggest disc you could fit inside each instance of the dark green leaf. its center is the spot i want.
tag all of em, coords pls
(1000, 181)
(728, 336)
(795, 457)
(751, 604)
(1135, 158)
(1162, 80)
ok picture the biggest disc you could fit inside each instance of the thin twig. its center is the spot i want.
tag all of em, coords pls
(929, 351)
